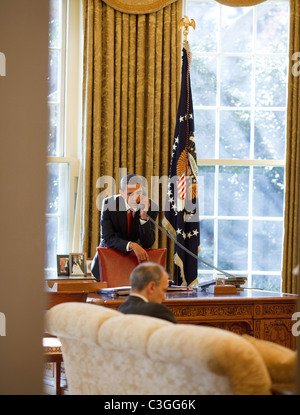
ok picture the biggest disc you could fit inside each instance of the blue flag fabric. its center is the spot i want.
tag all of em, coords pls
(181, 218)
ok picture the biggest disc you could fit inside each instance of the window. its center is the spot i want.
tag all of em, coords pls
(62, 163)
(58, 172)
(239, 75)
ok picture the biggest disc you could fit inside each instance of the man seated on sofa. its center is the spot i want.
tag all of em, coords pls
(149, 283)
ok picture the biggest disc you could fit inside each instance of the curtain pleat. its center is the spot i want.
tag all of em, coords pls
(131, 86)
(291, 235)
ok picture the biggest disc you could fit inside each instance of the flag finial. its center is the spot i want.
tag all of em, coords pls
(184, 21)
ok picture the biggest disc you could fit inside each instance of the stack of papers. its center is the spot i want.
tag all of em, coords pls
(237, 281)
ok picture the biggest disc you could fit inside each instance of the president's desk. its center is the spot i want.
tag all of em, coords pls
(262, 314)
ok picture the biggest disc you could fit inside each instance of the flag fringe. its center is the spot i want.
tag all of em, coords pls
(168, 226)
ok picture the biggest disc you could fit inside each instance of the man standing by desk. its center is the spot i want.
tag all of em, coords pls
(124, 224)
(149, 284)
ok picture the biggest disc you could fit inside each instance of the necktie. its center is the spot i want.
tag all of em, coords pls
(129, 221)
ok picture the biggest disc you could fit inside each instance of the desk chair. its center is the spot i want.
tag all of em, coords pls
(115, 267)
(51, 345)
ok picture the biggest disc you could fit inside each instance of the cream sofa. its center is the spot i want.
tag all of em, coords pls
(109, 353)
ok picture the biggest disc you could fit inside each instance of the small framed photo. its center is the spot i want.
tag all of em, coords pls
(89, 266)
(63, 268)
(77, 264)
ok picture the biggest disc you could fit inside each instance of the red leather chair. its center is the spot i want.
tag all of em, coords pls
(115, 267)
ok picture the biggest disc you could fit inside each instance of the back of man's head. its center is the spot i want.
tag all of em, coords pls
(145, 273)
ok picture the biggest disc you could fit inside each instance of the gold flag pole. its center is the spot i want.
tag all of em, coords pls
(185, 22)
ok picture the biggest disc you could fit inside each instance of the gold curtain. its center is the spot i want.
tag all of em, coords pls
(291, 236)
(131, 86)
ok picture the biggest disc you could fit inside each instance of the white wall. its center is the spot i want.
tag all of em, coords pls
(23, 135)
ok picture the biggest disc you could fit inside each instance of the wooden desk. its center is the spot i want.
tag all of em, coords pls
(87, 283)
(262, 314)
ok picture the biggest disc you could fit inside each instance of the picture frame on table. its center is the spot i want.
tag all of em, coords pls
(63, 269)
(77, 265)
(89, 266)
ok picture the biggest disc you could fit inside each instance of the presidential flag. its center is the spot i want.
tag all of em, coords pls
(181, 218)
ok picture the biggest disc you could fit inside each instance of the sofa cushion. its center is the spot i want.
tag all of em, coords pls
(81, 320)
(222, 352)
(129, 331)
(280, 361)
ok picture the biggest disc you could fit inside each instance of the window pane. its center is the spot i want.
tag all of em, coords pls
(203, 80)
(54, 72)
(268, 191)
(267, 282)
(271, 81)
(58, 185)
(272, 27)
(57, 212)
(234, 134)
(205, 124)
(207, 243)
(208, 175)
(204, 38)
(52, 206)
(203, 276)
(269, 135)
(233, 190)
(51, 243)
(55, 24)
(267, 245)
(233, 245)
(53, 130)
(236, 29)
(236, 81)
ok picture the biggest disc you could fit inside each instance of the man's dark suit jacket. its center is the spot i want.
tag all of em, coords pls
(114, 228)
(136, 305)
